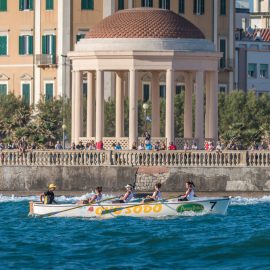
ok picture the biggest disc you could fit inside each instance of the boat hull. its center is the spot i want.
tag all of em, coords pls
(152, 210)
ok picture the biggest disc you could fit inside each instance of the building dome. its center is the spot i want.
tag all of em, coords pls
(145, 23)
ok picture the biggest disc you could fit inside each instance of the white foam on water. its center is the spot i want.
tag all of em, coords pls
(61, 199)
(249, 201)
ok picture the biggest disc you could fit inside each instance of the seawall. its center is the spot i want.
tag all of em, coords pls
(114, 178)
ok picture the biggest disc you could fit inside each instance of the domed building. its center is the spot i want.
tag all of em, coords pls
(150, 41)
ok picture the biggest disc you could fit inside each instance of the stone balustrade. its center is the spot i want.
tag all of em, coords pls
(136, 158)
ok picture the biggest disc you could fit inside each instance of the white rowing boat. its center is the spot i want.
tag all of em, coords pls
(133, 209)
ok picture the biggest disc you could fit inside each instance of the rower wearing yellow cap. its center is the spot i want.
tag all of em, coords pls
(48, 195)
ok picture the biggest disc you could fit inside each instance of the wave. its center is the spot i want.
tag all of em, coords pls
(71, 199)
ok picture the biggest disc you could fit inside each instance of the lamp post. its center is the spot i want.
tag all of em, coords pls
(145, 108)
(64, 127)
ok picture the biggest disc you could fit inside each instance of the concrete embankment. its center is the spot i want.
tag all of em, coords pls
(69, 178)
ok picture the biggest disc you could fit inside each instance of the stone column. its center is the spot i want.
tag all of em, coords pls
(99, 105)
(207, 104)
(73, 108)
(155, 104)
(90, 125)
(170, 85)
(119, 105)
(188, 106)
(213, 112)
(199, 111)
(133, 110)
(78, 105)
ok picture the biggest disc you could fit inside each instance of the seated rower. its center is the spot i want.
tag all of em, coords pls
(128, 195)
(190, 193)
(48, 195)
(95, 198)
(156, 195)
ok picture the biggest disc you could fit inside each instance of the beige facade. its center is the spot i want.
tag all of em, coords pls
(67, 22)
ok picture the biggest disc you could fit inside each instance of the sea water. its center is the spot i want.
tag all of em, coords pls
(239, 240)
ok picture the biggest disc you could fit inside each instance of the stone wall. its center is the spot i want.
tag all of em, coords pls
(80, 178)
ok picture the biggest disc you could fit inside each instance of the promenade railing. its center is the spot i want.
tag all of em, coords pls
(136, 158)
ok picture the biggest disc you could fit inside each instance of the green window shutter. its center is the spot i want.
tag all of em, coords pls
(26, 94)
(146, 92)
(21, 2)
(3, 45)
(3, 89)
(49, 4)
(3, 5)
(202, 6)
(21, 45)
(49, 91)
(83, 4)
(181, 6)
(87, 4)
(44, 45)
(222, 7)
(54, 48)
(121, 4)
(30, 42)
(31, 4)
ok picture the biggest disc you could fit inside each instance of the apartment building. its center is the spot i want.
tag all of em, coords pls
(260, 16)
(35, 36)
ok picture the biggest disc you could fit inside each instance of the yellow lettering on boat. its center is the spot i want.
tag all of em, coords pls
(157, 208)
(147, 209)
(117, 212)
(98, 211)
(128, 211)
(137, 209)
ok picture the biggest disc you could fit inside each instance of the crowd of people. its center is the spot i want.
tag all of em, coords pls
(147, 144)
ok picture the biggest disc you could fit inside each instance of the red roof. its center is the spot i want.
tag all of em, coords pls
(145, 23)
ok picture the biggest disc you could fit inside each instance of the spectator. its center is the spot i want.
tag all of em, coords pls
(163, 146)
(219, 147)
(172, 146)
(206, 145)
(73, 146)
(2, 146)
(80, 146)
(194, 146)
(92, 146)
(50, 145)
(58, 146)
(141, 147)
(211, 146)
(148, 146)
(118, 146)
(147, 136)
(23, 145)
(157, 146)
(33, 146)
(186, 146)
(99, 145)
(134, 146)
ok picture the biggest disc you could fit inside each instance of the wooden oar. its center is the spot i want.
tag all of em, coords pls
(130, 206)
(79, 206)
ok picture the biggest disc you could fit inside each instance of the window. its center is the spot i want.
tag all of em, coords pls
(48, 91)
(165, 4)
(85, 88)
(49, 4)
(3, 5)
(3, 88)
(26, 5)
(3, 45)
(198, 7)
(180, 88)
(252, 71)
(26, 93)
(147, 3)
(49, 45)
(222, 48)
(146, 92)
(162, 90)
(87, 4)
(222, 7)
(25, 45)
(121, 4)
(264, 71)
(222, 88)
(181, 6)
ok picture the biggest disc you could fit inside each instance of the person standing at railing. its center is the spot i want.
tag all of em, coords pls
(172, 146)
(58, 146)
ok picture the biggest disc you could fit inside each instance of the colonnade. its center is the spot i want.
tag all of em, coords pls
(206, 120)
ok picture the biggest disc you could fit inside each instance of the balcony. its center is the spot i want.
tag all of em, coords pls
(46, 60)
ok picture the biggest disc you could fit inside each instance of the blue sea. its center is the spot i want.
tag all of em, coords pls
(239, 240)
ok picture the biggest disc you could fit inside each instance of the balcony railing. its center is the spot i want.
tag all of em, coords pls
(136, 158)
(46, 60)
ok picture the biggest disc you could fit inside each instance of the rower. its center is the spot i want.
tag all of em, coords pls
(190, 193)
(95, 198)
(48, 195)
(128, 195)
(157, 196)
